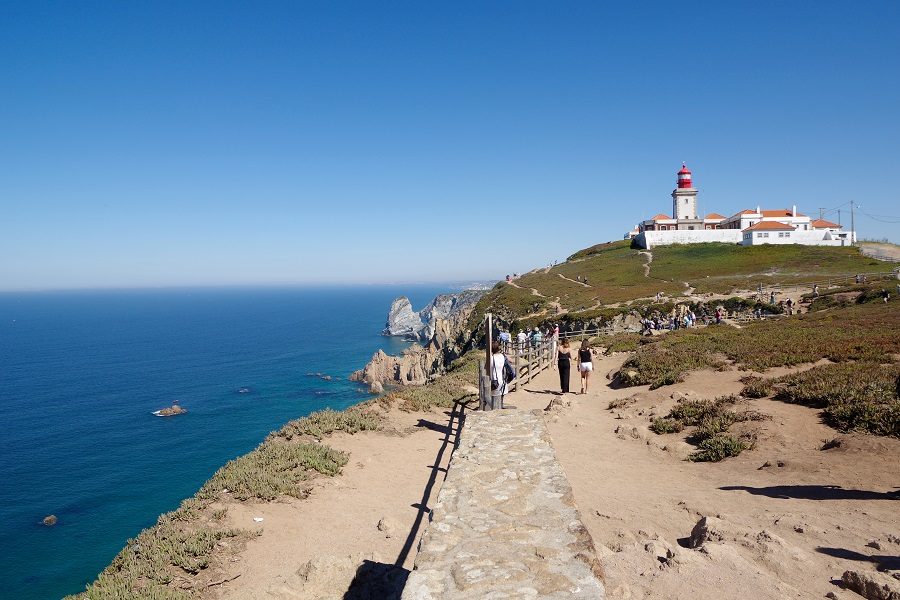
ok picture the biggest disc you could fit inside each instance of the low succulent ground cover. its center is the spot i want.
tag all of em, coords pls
(855, 396)
(712, 420)
(182, 543)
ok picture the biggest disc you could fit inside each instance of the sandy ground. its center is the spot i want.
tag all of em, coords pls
(791, 516)
(361, 525)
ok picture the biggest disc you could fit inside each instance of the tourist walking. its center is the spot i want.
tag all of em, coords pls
(564, 364)
(522, 337)
(585, 365)
(498, 381)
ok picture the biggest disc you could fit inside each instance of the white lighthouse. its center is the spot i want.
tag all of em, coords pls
(684, 196)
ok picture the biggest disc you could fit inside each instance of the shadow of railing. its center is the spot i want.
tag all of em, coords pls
(451, 440)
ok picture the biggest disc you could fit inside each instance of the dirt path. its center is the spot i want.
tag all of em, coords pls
(792, 516)
(649, 256)
(573, 280)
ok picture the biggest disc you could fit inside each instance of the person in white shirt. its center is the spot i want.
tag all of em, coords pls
(495, 370)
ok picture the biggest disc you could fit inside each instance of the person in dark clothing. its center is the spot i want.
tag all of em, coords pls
(564, 362)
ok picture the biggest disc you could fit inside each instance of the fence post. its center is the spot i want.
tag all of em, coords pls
(518, 374)
(481, 389)
(528, 358)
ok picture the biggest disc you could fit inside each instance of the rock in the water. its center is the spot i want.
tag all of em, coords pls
(872, 585)
(50, 520)
(171, 411)
(376, 387)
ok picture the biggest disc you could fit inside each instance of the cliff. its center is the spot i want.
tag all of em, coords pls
(421, 326)
(448, 339)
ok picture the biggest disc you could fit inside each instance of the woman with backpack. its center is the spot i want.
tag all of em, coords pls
(496, 367)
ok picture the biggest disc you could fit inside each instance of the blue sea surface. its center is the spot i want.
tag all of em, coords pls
(82, 372)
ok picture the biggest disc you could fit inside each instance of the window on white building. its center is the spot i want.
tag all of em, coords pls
(787, 234)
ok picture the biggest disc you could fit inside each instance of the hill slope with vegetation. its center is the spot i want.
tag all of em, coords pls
(608, 276)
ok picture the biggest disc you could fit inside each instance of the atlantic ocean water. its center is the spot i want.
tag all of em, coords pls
(82, 372)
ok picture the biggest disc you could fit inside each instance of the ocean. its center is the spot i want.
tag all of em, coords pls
(82, 372)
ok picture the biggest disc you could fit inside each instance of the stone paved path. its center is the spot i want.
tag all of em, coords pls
(505, 525)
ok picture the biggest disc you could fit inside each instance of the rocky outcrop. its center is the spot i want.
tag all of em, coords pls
(50, 520)
(872, 585)
(170, 412)
(448, 338)
(421, 326)
(402, 320)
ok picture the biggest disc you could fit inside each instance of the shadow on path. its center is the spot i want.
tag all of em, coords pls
(377, 581)
(451, 438)
(813, 492)
(882, 562)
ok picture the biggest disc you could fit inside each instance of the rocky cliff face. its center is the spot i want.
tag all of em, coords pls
(446, 334)
(421, 326)
(402, 320)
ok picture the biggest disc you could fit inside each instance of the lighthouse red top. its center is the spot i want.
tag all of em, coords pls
(684, 177)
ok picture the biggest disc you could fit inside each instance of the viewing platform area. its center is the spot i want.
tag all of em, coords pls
(505, 524)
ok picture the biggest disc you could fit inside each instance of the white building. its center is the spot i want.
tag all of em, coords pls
(748, 227)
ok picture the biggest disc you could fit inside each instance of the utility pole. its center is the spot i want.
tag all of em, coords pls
(821, 213)
(852, 225)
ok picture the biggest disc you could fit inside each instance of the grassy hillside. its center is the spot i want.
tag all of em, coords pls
(617, 273)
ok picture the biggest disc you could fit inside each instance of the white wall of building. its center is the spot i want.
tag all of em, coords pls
(808, 238)
(650, 239)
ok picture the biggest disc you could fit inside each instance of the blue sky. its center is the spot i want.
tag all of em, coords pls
(189, 143)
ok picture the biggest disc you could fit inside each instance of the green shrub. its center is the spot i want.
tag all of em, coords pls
(323, 422)
(756, 387)
(663, 425)
(274, 469)
(718, 447)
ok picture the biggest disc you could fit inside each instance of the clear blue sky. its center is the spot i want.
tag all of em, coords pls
(189, 143)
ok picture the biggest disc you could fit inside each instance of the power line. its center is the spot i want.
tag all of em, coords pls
(880, 218)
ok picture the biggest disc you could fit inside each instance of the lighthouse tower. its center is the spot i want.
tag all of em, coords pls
(684, 196)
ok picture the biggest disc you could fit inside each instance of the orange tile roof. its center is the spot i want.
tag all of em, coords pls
(770, 226)
(780, 212)
(747, 211)
(661, 217)
(822, 224)
(714, 216)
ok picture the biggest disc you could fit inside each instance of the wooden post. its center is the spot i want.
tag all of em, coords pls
(518, 374)
(486, 372)
(530, 365)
